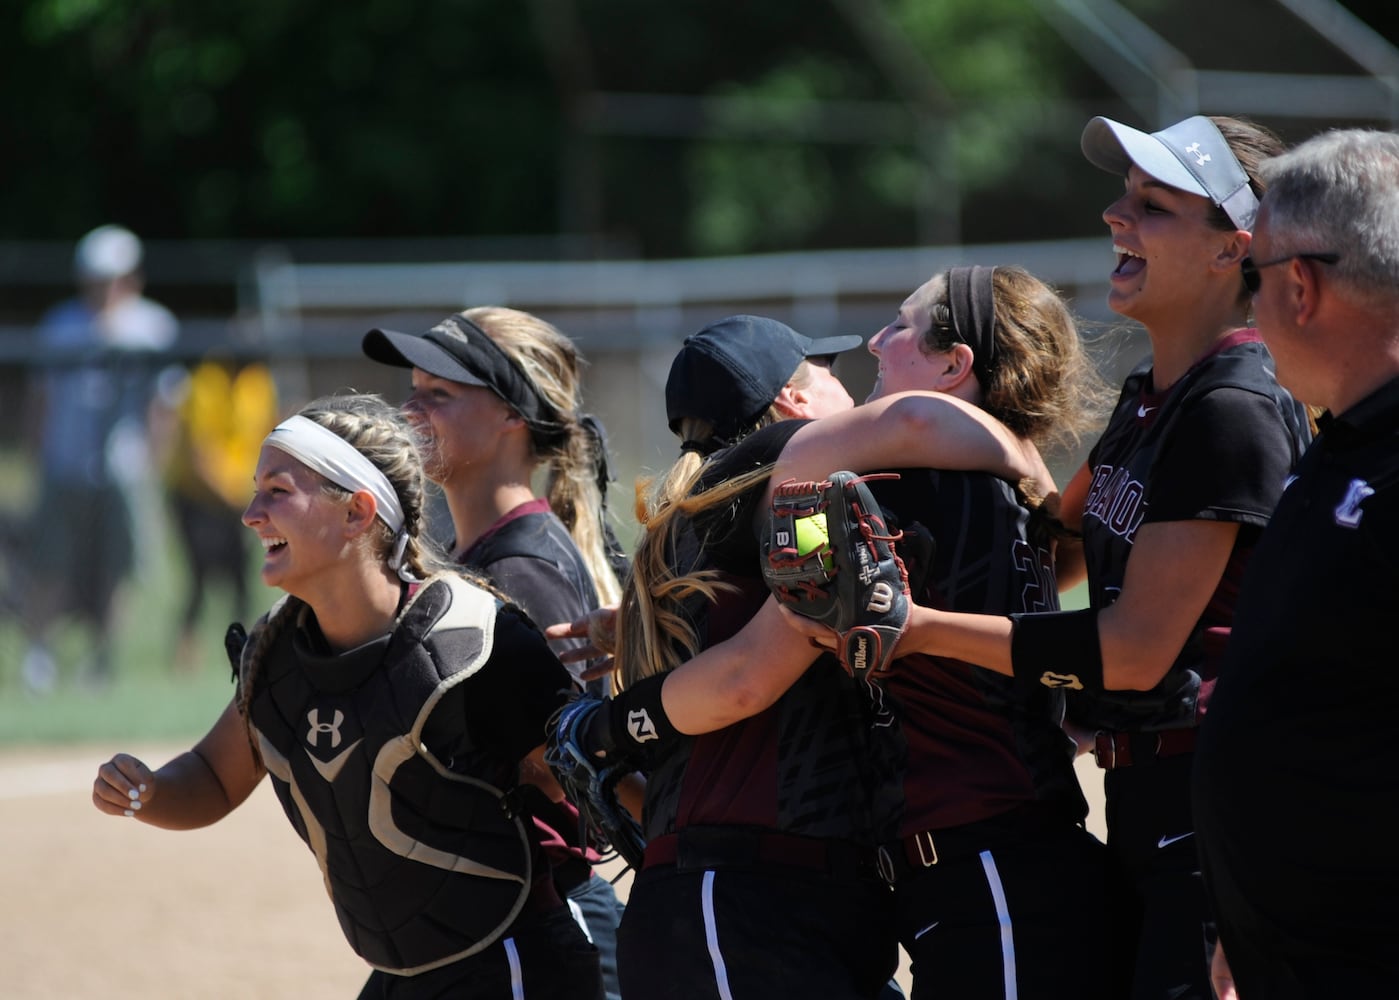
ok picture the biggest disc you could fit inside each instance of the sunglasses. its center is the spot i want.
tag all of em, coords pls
(1253, 278)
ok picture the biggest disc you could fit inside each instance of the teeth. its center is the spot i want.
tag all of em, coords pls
(1124, 251)
(271, 543)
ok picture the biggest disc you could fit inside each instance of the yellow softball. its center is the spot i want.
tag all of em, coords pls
(811, 535)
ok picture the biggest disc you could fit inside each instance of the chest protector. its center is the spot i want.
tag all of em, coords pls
(424, 863)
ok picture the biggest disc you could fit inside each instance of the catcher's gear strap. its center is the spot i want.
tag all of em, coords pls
(638, 720)
(1059, 650)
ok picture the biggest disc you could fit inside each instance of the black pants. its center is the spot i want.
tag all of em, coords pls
(1005, 909)
(544, 957)
(767, 934)
(1162, 934)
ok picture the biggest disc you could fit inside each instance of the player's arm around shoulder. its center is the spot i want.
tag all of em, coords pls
(911, 430)
(199, 787)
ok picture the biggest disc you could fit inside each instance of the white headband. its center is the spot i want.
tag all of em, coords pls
(326, 452)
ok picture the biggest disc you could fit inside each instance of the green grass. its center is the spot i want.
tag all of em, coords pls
(150, 696)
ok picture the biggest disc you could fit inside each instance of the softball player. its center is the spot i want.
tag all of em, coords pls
(495, 396)
(1170, 505)
(398, 717)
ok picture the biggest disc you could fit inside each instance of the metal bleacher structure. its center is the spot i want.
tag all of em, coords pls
(307, 307)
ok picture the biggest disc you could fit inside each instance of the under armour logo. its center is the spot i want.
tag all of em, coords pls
(1052, 680)
(640, 726)
(1200, 158)
(1348, 511)
(317, 727)
(881, 598)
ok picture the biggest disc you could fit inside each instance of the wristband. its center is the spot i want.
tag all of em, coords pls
(639, 722)
(1058, 650)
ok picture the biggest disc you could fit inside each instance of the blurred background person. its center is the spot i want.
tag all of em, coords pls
(216, 414)
(92, 392)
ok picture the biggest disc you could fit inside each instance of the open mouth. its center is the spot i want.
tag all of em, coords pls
(272, 544)
(1128, 262)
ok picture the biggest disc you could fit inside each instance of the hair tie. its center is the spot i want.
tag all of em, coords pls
(971, 301)
(396, 563)
(700, 448)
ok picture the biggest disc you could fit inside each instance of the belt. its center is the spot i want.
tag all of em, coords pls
(1114, 750)
(910, 855)
(697, 848)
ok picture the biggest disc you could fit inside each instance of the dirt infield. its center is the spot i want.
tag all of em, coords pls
(97, 908)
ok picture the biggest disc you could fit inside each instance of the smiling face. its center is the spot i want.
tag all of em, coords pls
(298, 521)
(904, 364)
(459, 426)
(1165, 245)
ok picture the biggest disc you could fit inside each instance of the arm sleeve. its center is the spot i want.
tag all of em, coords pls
(1227, 459)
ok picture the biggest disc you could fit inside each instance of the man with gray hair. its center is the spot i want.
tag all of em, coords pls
(1296, 799)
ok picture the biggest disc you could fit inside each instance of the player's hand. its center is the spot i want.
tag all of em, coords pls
(819, 634)
(1221, 978)
(123, 785)
(599, 627)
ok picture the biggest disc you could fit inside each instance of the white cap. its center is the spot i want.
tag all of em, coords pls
(106, 253)
(1191, 155)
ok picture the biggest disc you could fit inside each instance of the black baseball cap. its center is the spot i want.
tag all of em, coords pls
(458, 350)
(732, 370)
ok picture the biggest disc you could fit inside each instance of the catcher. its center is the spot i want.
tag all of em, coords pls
(760, 865)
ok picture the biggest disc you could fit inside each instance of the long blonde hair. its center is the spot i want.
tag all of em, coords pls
(654, 630)
(575, 453)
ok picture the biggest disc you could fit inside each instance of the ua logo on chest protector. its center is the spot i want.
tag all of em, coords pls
(1348, 512)
(313, 735)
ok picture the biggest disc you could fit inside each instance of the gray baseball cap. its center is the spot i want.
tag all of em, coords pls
(1191, 155)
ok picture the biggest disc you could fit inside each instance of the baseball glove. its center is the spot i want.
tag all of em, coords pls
(576, 734)
(829, 556)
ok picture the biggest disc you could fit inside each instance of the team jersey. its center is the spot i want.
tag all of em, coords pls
(801, 766)
(395, 762)
(529, 555)
(1217, 445)
(969, 748)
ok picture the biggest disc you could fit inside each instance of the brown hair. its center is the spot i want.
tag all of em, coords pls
(1251, 144)
(1041, 385)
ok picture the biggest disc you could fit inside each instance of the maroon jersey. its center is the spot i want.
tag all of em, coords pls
(802, 766)
(969, 747)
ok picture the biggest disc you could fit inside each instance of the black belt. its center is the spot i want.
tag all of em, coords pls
(1114, 750)
(910, 855)
(699, 848)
